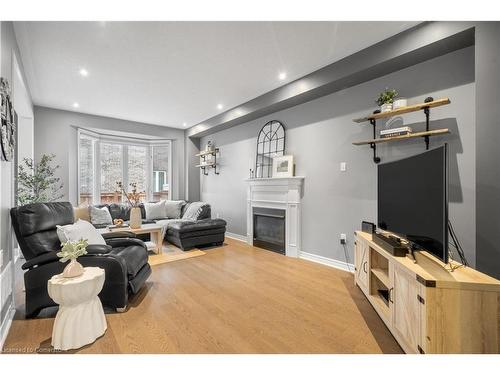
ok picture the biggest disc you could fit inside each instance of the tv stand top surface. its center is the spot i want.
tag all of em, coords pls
(430, 268)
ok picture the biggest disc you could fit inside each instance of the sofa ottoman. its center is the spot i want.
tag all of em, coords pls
(188, 234)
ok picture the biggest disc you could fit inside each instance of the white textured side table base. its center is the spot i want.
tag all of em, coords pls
(80, 319)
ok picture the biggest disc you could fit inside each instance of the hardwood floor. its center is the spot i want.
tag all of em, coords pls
(235, 299)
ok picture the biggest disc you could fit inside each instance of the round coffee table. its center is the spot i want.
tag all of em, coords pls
(80, 319)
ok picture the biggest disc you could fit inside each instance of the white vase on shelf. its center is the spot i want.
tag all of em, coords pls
(386, 107)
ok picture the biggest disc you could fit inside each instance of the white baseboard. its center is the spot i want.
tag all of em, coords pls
(237, 237)
(344, 266)
(5, 326)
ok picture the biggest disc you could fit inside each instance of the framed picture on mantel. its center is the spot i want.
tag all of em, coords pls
(283, 166)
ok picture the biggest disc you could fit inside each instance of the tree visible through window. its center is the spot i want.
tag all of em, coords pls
(103, 162)
(160, 172)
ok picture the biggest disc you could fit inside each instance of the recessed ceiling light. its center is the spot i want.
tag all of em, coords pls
(184, 124)
(84, 72)
(282, 76)
(220, 106)
(76, 105)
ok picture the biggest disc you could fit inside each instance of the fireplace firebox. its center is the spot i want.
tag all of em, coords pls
(269, 229)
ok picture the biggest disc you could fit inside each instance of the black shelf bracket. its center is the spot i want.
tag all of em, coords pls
(215, 162)
(373, 146)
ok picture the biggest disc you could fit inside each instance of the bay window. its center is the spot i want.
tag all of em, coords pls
(104, 160)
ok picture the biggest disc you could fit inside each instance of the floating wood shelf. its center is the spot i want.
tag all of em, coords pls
(425, 106)
(407, 109)
(205, 165)
(402, 137)
(205, 153)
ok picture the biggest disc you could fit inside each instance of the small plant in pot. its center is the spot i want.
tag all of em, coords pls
(385, 99)
(71, 250)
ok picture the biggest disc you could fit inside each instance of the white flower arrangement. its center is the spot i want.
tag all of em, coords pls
(72, 250)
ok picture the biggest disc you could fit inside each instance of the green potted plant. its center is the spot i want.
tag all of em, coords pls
(71, 250)
(385, 99)
(37, 182)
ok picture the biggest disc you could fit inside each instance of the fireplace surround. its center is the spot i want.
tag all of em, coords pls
(265, 195)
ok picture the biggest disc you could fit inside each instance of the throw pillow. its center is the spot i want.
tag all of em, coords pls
(196, 210)
(82, 212)
(173, 209)
(155, 210)
(77, 231)
(100, 216)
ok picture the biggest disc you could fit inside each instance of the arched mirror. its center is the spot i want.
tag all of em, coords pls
(270, 143)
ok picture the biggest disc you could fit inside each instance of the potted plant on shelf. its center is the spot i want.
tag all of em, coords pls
(134, 199)
(385, 99)
(71, 250)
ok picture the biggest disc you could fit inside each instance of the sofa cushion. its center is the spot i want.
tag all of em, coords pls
(99, 216)
(195, 226)
(173, 209)
(198, 233)
(155, 210)
(81, 229)
(82, 212)
(135, 258)
(197, 211)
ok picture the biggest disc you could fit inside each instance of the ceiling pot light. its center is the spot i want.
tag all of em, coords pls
(76, 105)
(220, 106)
(282, 76)
(83, 72)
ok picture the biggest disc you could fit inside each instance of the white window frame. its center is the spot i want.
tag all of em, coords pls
(124, 142)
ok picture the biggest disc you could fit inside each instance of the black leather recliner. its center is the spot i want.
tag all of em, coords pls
(124, 258)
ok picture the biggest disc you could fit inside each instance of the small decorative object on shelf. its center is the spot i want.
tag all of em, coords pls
(208, 158)
(209, 147)
(71, 250)
(399, 103)
(428, 103)
(134, 199)
(385, 99)
(283, 166)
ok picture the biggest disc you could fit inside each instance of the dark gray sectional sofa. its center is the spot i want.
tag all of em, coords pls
(186, 234)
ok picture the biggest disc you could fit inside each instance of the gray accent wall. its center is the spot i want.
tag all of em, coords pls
(56, 132)
(320, 135)
(488, 149)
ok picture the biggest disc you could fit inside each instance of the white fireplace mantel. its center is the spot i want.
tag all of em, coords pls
(283, 193)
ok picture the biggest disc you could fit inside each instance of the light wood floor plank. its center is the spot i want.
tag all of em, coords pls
(235, 299)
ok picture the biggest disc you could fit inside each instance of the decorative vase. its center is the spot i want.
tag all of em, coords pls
(135, 218)
(73, 269)
(386, 107)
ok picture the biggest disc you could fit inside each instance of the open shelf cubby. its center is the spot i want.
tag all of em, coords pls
(379, 279)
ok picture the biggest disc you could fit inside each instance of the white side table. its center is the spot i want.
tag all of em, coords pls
(80, 319)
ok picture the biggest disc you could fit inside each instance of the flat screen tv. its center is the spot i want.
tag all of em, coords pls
(413, 200)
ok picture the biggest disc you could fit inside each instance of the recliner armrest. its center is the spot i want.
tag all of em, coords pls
(118, 234)
(117, 242)
(98, 249)
(41, 259)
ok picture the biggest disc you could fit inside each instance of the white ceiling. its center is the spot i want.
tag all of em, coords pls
(171, 73)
